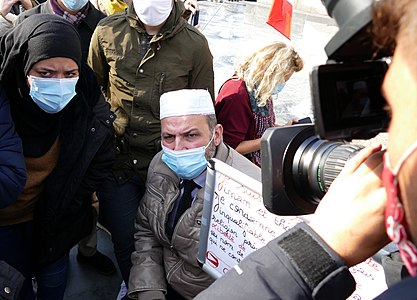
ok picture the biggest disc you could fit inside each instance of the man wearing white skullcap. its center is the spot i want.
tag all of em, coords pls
(169, 216)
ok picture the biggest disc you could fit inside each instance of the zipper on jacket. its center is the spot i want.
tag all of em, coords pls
(165, 221)
(148, 55)
(174, 269)
(168, 209)
(161, 83)
(157, 193)
(174, 233)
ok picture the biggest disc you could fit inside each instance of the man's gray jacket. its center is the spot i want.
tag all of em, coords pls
(159, 260)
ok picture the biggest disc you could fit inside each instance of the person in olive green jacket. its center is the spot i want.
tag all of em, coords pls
(137, 56)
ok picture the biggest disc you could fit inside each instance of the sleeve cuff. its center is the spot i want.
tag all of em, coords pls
(317, 264)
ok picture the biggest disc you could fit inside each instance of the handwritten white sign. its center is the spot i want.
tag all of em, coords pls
(239, 224)
(370, 280)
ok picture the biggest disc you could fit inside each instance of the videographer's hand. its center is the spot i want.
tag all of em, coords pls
(27, 4)
(191, 5)
(350, 217)
(6, 6)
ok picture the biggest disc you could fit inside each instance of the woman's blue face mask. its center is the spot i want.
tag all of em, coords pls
(52, 94)
(278, 88)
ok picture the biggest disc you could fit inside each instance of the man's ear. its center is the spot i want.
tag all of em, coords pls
(218, 134)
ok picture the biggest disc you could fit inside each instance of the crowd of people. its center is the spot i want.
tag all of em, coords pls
(121, 110)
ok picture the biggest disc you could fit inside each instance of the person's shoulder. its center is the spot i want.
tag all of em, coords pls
(196, 33)
(235, 84)
(30, 12)
(232, 90)
(192, 29)
(159, 173)
(157, 165)
(192, 32)
(114, 19)
(244, 165)
(113, 26)
(95, 14)
(236, 160)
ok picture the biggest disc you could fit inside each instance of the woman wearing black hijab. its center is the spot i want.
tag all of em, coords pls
(66, 131)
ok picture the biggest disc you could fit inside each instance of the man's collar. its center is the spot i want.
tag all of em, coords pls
(74, 19)
(201, 179)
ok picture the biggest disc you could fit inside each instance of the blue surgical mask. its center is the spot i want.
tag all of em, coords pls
(187, 164)
(278, 88)
(52, 94)
(74, 4)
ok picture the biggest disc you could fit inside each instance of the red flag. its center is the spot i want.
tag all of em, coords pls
(280, 16)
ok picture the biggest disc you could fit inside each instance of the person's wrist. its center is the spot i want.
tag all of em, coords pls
(317, 264)
(322, 232)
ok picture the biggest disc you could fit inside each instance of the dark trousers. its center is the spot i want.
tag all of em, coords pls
(52, 280)
(118, 207)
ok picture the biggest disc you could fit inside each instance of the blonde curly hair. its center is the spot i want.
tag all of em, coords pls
(268, 67)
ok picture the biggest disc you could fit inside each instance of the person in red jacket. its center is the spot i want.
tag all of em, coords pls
(244, 105)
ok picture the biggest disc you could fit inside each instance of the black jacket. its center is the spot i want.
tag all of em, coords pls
(63, 215)
(404, 290)
(12, 162)
(85, 28)
(11, 282)
(296, 265)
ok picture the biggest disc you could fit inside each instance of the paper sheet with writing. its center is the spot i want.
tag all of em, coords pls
(236, 223)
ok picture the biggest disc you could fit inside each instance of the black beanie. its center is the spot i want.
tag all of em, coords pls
(41, 36)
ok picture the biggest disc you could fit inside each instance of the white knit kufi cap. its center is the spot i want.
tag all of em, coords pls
(186, 102)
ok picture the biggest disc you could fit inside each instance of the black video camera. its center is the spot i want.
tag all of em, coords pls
(298, 162)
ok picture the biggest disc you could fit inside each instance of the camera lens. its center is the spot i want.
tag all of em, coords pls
(316, 164)
(298, 168)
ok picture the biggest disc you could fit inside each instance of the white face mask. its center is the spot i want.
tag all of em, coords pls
(153, 12)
